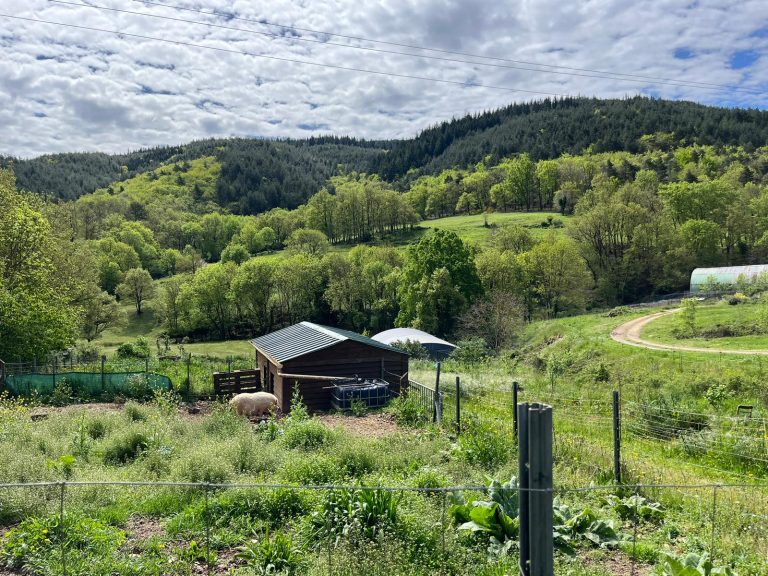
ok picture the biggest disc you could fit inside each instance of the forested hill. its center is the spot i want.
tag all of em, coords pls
(260, 174)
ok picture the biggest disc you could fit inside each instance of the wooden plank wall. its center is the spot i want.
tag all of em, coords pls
(226, 383)
(347, 359)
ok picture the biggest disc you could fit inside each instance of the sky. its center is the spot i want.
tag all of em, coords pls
(72, 89)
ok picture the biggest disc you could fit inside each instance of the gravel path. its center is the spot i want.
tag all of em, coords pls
(629, 333)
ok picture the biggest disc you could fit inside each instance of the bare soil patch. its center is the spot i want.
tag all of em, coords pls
(376, 425)
(619, 564)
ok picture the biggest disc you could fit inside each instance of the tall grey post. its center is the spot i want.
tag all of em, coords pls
(535, 469)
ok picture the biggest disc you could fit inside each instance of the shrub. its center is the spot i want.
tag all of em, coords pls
(62, 394)
(618, 311)
(413, 348)
(222, 421)
(470, 351)
(270, 556)
(135, 412)
(125, 448)
(355, 461)
(359, 408)
(96, 428)
(482, 444)
(307, 435)
(35, 545)
(366, 512)
(313, 470)
(408, 411)
(139, 348)
(203, 467)
(138, 387)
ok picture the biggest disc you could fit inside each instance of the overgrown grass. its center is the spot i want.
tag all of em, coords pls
(571, 363)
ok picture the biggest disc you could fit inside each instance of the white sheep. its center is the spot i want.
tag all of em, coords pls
(253, 404)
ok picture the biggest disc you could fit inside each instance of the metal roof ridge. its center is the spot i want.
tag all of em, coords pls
(327, 331)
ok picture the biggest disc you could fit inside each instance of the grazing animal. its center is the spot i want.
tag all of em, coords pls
(253, 404)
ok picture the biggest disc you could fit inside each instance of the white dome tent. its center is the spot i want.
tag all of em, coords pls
(436, 347)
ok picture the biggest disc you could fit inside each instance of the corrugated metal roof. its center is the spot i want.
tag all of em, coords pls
(306, 337)
(412, 334)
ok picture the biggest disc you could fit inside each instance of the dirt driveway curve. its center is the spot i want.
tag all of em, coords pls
(629, 333)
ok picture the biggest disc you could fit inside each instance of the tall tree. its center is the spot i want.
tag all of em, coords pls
(439, 280)
(137, 287)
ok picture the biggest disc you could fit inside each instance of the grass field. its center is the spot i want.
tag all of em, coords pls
(570, 363)
(474, 229)
(721, 313)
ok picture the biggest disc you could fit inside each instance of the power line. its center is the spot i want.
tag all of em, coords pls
(291, 60)
(678, 83)
(610, 75)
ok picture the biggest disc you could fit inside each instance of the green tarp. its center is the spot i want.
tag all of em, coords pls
(92, 384)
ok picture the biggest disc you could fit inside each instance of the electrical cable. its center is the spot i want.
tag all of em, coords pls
(229, 16)
(283, 59)
(678, 83)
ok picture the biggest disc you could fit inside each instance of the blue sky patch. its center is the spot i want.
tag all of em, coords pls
(760, 32)
(310, 126)
(683, 53)
(743, 59)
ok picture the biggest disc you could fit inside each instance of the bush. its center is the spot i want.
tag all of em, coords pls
(366, 512)
(307, 435)
(270, 556)
(203, 467)
(138, 387)
(35, 545)
(125, 448)
(355, 461)
(482, 444)
(62, 394)
(135, 412)
(413, 348)
(96, 428)
(408, 411)
(139, 348)
(470, 351)
(618, 311)
(314, 470)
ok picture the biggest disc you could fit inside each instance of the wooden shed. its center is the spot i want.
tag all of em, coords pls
(308, 355)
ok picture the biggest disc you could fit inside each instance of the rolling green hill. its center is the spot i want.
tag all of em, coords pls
(257, 175)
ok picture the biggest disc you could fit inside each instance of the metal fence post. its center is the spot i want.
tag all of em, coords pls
(616, 439)
(103, 360)
(714, 523)
(55, 360)
(541, 497)
(189, 381)
(515, 392)
(62, 530)
(436, 397)
(523, 470)
(458, 405)
(207, 533)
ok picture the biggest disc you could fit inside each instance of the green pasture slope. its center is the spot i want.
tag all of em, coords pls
(721, 313)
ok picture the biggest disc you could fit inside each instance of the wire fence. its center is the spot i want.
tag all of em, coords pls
(207, 522)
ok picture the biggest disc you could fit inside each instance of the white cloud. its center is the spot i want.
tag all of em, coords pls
(71, 89)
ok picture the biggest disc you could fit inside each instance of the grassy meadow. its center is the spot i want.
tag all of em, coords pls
(711, 315)
(571, 363)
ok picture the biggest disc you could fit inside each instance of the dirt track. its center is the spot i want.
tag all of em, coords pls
(629, 333)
